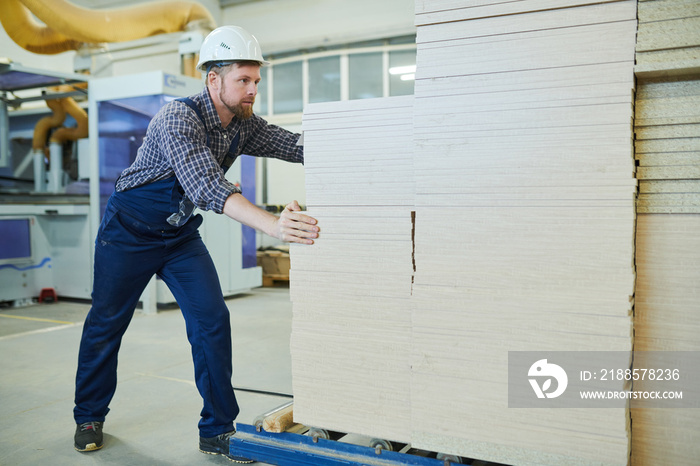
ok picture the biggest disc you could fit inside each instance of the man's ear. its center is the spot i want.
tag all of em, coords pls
(213, 80)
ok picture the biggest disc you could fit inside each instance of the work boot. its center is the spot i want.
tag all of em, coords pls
(88, 436)
(220, 445)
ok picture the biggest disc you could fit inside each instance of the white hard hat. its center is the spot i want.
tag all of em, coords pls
(229, 43)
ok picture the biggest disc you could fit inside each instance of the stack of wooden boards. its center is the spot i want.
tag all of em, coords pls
(514, 231)
(351, 289)
(667, 319)
(524, 219)
(667, 120)
(668, 41)
(667, 128)
(667, 147)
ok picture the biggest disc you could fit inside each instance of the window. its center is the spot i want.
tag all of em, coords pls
(324, 79)
(365, 73)
(261, 98)
(287, 88)
(402, 72)
(364, 70)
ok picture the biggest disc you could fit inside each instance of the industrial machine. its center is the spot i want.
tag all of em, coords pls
(52, 199)
(44, 234)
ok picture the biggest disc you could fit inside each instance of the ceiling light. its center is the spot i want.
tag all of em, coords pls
(402, 69)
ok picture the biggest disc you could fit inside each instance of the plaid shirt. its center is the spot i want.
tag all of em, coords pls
(176, 144)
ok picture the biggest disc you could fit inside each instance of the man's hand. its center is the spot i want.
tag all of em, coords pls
(293, 226)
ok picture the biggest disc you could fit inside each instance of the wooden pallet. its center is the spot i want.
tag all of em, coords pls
(275, 280)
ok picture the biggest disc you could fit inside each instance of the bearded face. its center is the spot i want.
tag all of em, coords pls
(239, 86)
(243, 109)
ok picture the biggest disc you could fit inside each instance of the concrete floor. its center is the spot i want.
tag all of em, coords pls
(154, 414)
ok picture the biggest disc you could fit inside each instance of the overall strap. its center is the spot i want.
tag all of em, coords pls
(183, 206)
(231, 155)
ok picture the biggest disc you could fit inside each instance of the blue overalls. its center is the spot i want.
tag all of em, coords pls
(134, 242)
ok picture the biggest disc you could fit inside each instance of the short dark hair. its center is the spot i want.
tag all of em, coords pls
(221, 68)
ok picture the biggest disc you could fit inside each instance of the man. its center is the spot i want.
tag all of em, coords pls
(148, 228)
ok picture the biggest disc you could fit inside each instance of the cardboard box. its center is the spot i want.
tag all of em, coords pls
(274, 263)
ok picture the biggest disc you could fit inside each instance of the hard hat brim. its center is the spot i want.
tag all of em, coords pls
(203, 67)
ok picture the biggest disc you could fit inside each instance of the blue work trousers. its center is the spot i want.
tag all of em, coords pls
(134, 243)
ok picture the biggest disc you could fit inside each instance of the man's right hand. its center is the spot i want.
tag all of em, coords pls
(293, 226)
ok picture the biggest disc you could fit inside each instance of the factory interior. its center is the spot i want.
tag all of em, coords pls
(496, 183)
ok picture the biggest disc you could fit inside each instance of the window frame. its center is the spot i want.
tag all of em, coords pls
(344, 54)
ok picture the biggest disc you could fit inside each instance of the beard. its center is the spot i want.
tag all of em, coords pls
(239, 111)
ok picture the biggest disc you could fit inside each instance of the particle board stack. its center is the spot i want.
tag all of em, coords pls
(667, 127)
(667, 318)
(524, 219)
(493, 213)
(668, 42)
(668, 283)
(351, 290)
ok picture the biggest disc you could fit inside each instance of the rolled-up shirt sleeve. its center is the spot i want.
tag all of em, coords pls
(184, 142)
